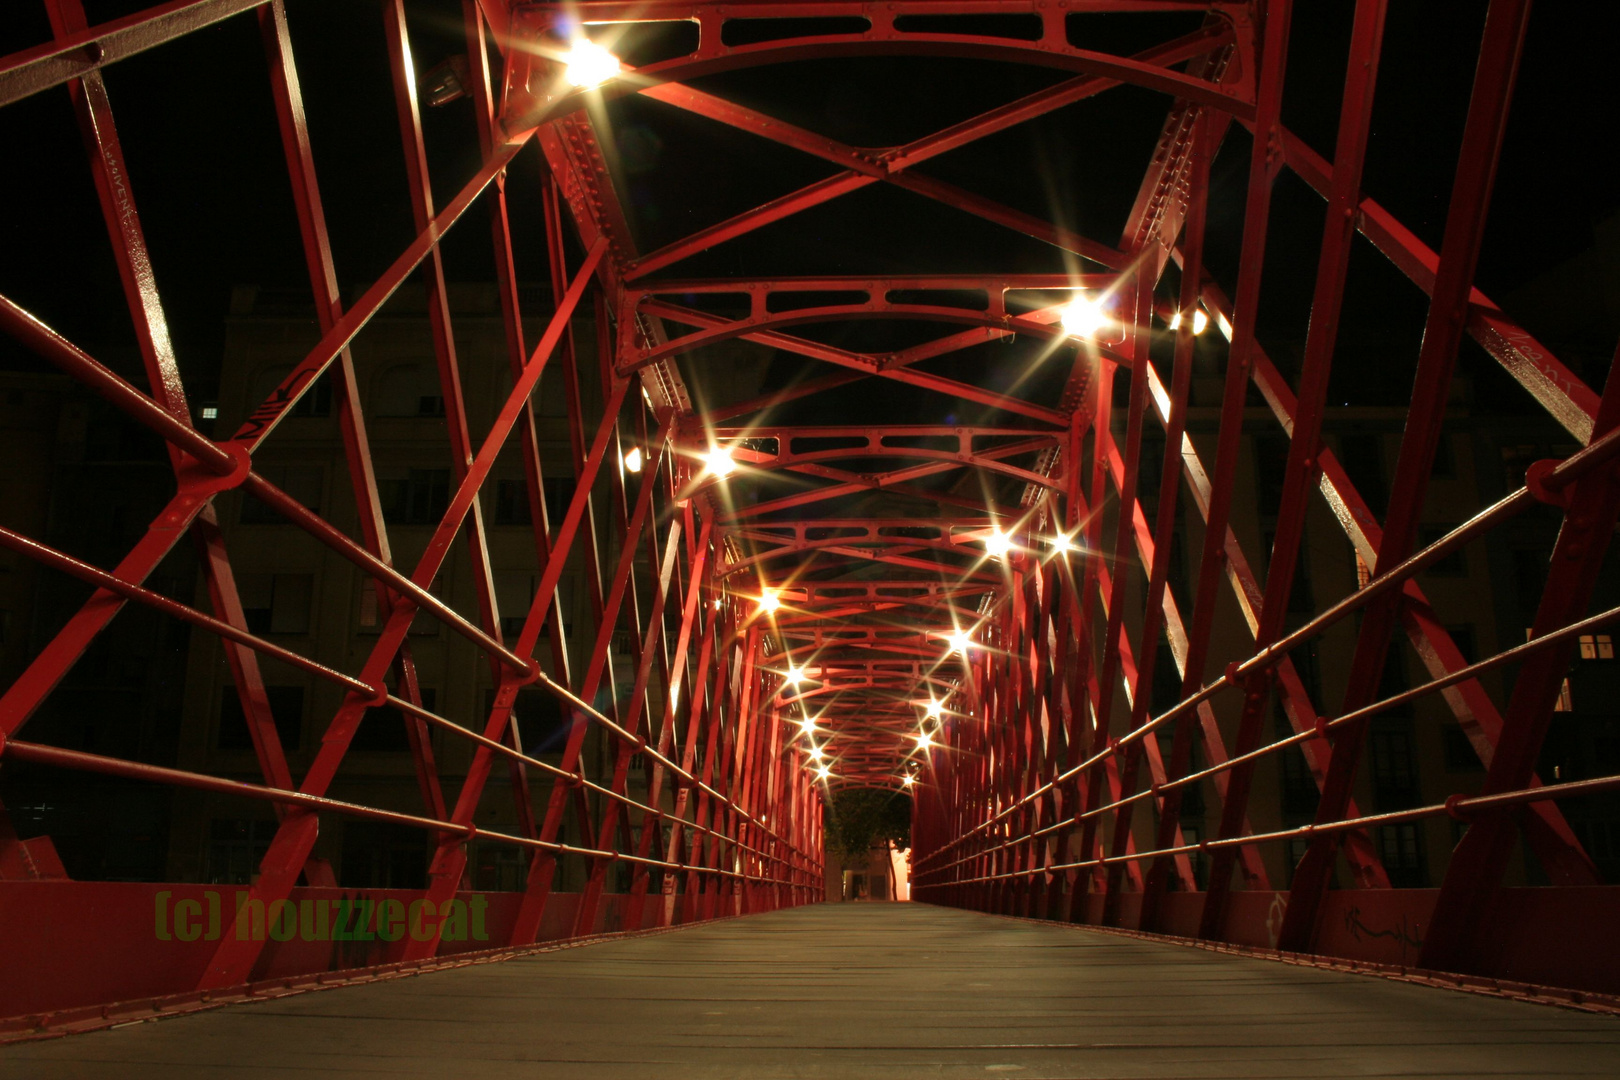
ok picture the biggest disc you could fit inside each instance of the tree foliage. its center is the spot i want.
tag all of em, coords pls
(857, 818)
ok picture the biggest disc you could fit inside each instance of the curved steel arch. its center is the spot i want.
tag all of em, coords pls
(987, 460)
(532, 34)
(640, 356)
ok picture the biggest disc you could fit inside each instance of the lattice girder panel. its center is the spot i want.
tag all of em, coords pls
(784, 596)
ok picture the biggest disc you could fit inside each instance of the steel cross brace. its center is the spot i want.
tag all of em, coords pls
(1482, 134)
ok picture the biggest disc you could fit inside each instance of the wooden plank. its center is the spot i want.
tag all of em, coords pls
(868, 990)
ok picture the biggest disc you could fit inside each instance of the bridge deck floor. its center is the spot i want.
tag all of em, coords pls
(855, 990)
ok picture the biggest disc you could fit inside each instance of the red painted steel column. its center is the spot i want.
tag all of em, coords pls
(1167, 498)
(692, 612)
(1113, 639)
(1474, 877)
(233, 962)
(1465, 219)
(1305, 443)
(117, 199)
(1262, 174)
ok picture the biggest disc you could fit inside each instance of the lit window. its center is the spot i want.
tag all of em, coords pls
(1565, 702)
(1597, 647)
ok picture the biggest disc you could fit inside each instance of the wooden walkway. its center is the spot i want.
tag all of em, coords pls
(855, 990)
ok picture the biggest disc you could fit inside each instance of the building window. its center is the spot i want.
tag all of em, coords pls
(301, 482)
(1565, 702)
(499, 868)
(235, 850)
(559, 493)
(382, 729)
(414, 496)
(406, 390)
(512, 501)
(286, 706)
(1363, 572)
(1394, 770)
(541, 721)
(276, 603)
(1300, 793)
(1392, 682)
(514, 591)
(1400, 848)
(1460, 753)
(1597, 647)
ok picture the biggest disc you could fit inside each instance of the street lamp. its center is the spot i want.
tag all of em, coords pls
(589, 64)
(719, 462)
(1082, 318)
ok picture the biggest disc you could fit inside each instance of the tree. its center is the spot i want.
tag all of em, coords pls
(857, 818)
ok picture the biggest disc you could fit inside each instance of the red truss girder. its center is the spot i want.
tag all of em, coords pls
(759, 631)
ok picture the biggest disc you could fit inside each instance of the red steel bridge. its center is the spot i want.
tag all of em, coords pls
(983, 535)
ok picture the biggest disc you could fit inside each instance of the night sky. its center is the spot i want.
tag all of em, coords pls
(208, 176)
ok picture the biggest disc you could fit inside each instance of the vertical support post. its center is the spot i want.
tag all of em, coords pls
(1465, 220)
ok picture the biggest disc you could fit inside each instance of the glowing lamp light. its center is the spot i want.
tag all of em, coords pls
(908, 780)
(769, 601)
(960, 642)
(997, 544)
(1200, 321)
(924, 741)
(817, 753)
(1064, 543)
(1082, 318)
(807, 726)
(632, 460)
(795, 675)
(589, 64)
(935, 709)
(718, 461)
(823, 772)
